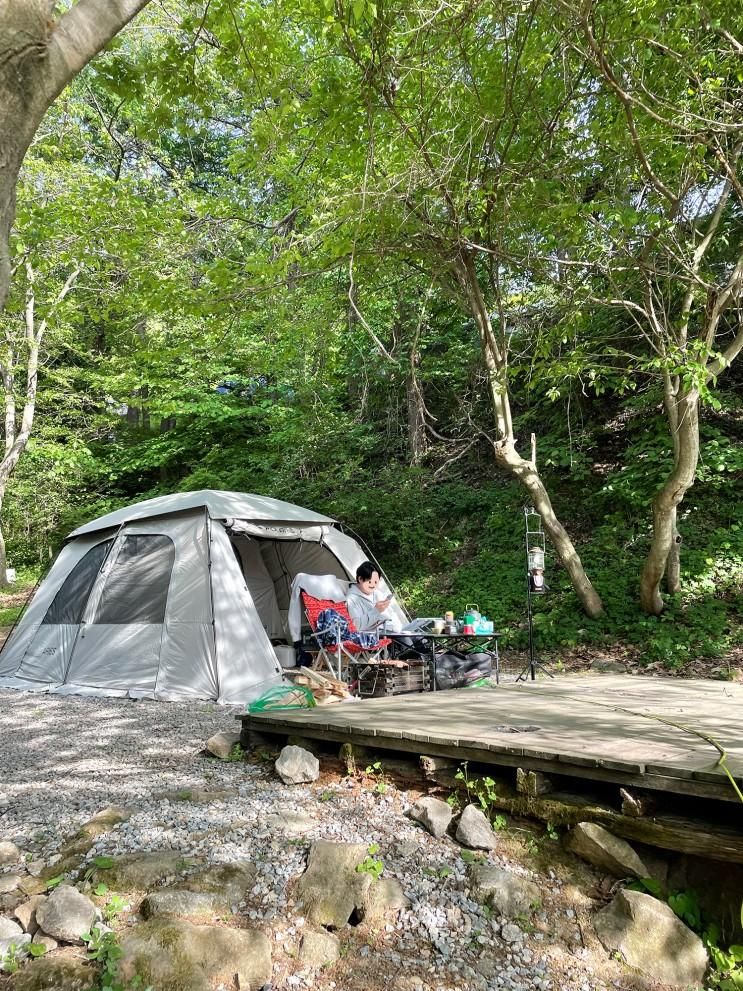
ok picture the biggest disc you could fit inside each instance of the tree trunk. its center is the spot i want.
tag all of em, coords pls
(673, 565)
(505, 448)
(416, 423)
(3, 557)
(664, 544)
(38, 57)
(526, 472)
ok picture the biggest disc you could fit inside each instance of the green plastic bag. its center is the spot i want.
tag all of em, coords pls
(283, 697)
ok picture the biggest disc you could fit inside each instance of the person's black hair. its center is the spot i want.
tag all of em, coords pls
(365, 570)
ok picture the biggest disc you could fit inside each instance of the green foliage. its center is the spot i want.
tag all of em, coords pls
(483, 791)
(376, 772)
(11, 959)
(103, 948)
(236, 753)
(220, 334)
(371, 864)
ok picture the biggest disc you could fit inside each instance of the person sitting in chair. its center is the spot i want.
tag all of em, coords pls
(366, 606)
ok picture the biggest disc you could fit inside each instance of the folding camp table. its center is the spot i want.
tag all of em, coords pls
(433, 643)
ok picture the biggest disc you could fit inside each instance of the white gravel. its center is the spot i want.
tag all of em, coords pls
(63, 759)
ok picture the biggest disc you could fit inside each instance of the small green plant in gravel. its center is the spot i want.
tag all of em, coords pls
(471, 858)
(371, 864)
(11, 959)
(236, 753)
(482, 790)
(104, 950)
(376, 772)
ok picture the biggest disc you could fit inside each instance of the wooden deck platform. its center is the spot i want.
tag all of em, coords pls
(649, 732)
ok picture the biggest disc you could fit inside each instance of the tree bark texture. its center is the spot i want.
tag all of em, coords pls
(3, 555)
(685, 417)
(506, 454)
(39, 55)
(416, 422)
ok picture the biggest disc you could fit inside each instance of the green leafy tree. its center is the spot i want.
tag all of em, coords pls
(412, 138)
(41, 51)
(656, 226)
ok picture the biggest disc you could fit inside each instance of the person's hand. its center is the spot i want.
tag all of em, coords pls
(383, 603)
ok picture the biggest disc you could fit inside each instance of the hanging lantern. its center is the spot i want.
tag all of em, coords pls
(536, 559)
(536, 569)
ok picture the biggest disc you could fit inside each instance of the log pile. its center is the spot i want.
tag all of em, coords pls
(325, 690)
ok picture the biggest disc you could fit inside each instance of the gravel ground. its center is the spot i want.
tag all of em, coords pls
(64, 759)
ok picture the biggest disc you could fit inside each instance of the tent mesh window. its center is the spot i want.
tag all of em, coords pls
(69, 603)
(136, 589)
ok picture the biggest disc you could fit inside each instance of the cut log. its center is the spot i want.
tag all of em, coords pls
(692, 836)
(668, 832)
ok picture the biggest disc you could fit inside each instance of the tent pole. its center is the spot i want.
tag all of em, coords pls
(208, 531)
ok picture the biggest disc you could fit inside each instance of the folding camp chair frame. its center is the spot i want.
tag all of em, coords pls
(341, 655)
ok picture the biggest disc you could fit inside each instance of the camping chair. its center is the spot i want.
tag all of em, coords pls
(341, 653)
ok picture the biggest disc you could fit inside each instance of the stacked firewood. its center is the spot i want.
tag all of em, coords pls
(325, 689)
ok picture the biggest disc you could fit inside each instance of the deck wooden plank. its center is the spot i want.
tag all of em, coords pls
(616, 727)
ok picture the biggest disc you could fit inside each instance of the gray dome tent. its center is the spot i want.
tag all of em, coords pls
(174, 598)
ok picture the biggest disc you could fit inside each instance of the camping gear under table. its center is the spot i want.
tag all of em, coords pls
(486, 643)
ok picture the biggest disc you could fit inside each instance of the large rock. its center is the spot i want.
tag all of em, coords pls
(9, 853)
(651, 938)
(599, 847)
(174, 955)
(102, 822)
(434, 814)
(192, 904)
(66, 914)
(221, 744)
(9, 929)
(54, 974)
(319, 949)
(296, 766)
(228, 883)
(474, 829)
(509, 894)
(291, 823)
(8, 883)
(332, 892)
(210, 891)
(26, 913)
(141, 871)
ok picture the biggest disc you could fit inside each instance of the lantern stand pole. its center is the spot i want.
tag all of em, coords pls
(535, 544)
